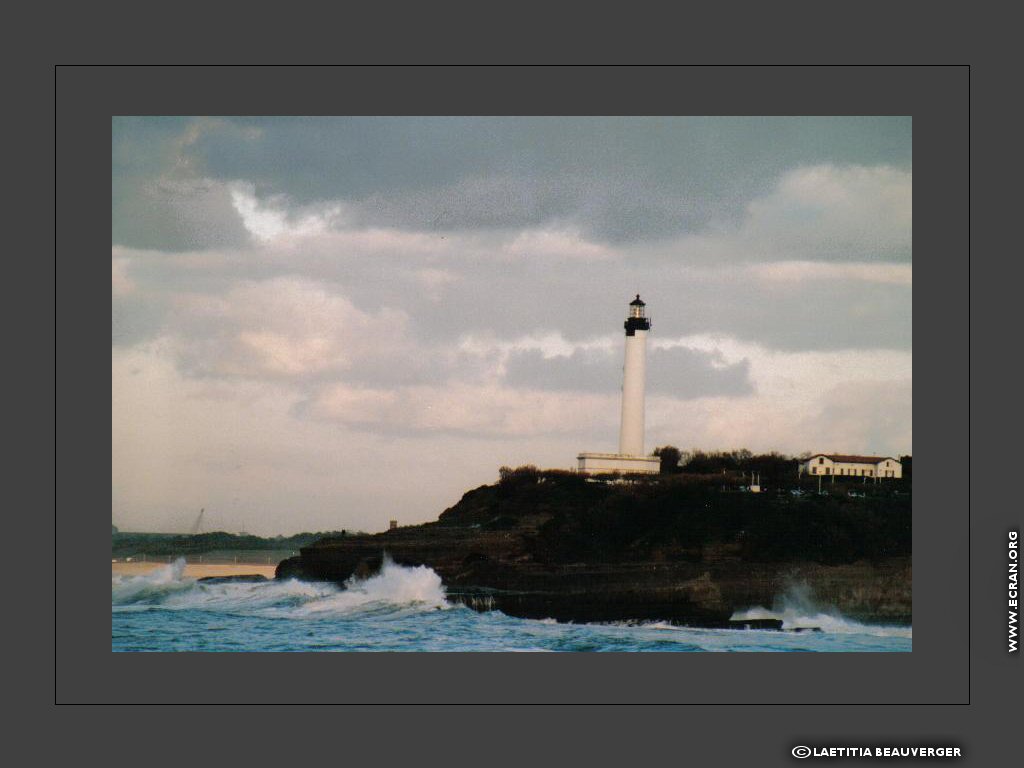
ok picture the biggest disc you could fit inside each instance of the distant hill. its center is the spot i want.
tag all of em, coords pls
(175, 544)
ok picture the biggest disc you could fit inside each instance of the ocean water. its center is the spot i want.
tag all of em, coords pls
(404, 609)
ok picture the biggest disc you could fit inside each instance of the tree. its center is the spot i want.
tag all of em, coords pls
(670, 457)
(527, 473)
(908, 466)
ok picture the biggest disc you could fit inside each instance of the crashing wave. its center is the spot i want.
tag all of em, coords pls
(797, 610)
(394, 587)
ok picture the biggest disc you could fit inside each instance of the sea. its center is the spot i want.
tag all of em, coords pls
(404, 609)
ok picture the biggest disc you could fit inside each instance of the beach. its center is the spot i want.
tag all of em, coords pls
(196, 570)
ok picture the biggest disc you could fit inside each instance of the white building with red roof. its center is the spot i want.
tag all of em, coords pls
(846, 465)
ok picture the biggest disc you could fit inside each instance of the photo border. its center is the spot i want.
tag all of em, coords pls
(86, 671)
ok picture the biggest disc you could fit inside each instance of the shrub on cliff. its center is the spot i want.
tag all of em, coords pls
(671, 457)
(687, 520)
(564, 518)
(527, 473)
(774, 469)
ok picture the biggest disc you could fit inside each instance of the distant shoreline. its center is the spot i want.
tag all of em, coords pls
(196, 570)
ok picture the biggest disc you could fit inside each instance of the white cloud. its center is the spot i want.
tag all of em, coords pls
(434, 282)
(120, 282)
(831, 213)
(796, 403)
(549, 345)
(269, 220)
(556, 243)
(788, 373)
(840, 211)
(808, 271)
(285, 326)
(480, 410)
(849, 400)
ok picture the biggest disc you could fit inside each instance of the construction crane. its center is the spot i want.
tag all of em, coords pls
(197, 523)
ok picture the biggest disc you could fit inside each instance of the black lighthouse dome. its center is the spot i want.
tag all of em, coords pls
(637, 320)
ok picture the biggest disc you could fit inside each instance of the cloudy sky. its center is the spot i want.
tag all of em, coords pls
(325, 323)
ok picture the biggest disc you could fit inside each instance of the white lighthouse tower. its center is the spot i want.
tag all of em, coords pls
(631, 433)
(630, 457)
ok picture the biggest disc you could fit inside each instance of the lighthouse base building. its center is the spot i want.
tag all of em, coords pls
(597, 463)
(630, 458)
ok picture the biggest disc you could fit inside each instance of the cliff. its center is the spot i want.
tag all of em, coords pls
(679, 549)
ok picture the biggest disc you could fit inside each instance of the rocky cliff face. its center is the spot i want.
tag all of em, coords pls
(558, 547)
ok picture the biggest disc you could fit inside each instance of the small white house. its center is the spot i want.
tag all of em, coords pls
(843, 465)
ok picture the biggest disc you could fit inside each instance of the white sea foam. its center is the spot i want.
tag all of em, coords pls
(395, 586)
(150, 587)
(797, 610)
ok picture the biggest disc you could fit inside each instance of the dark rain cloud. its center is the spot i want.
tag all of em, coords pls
(619, 179)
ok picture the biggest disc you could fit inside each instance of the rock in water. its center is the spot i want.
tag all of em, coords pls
(242, 578)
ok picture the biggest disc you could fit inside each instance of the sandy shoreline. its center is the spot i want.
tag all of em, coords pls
(197, 570)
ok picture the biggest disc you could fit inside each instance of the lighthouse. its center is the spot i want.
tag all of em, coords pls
(630, 457)
(631, 431)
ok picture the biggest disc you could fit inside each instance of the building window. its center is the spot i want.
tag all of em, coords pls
(821, 461)
(814, 470)
(828, 470)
